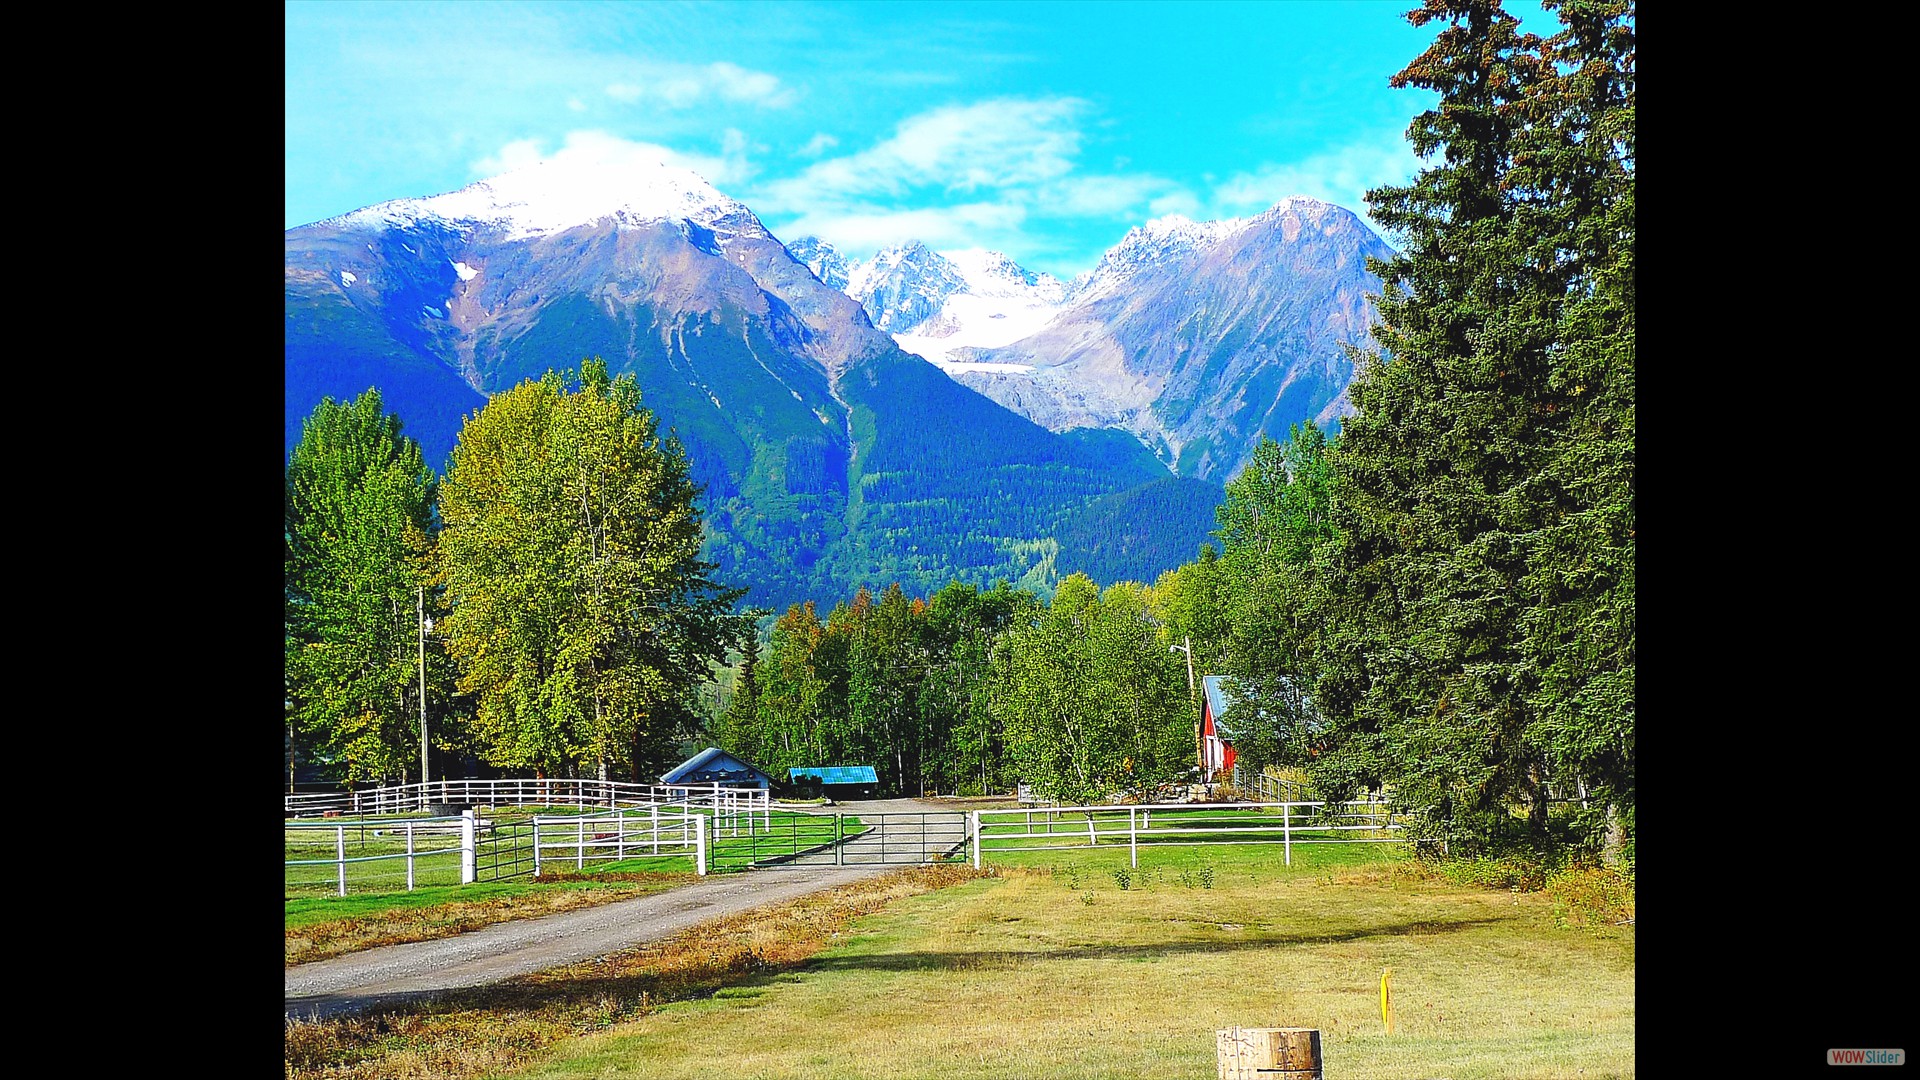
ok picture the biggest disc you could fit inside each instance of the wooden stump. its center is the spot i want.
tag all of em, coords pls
(1268, 1053)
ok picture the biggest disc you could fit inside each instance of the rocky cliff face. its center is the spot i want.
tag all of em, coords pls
(1201, 337)
(1196, 337)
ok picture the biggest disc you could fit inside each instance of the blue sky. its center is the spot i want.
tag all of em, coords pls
(1042, 130)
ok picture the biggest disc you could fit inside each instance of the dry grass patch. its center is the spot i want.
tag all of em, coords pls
(486, 1031)
(1024, 977)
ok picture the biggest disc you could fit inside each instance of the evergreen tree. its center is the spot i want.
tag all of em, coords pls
(1477, 616)
(738, 729)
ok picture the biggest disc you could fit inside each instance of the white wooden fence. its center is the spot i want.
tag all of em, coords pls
(658, 830)
(731, 805)
(1182, 825)
(412, 832)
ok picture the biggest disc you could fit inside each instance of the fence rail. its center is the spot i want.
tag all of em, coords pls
(392, 842)
(730, 802)
(1284, 823)
(419, 851)
(1267, 788)
(620, 835)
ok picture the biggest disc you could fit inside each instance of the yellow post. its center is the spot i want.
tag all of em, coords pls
(1386, 998)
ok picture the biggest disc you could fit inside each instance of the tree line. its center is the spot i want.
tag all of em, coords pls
(557, 566)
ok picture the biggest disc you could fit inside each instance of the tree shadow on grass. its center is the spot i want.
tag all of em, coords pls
(623, 983)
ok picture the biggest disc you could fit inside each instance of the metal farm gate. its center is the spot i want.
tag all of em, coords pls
(809, 841)
(502, 852)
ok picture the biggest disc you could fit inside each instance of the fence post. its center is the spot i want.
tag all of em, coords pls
(620, 831)
(654, 809)
(976, 838)
(700, 843)
(1133, 836)
(839, 848)
(340, 855)
(1286, 829)
(580, 843)
(536, 845)
(469, 836)
(409, 856)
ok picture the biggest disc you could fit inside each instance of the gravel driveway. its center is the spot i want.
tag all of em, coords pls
(399, 972)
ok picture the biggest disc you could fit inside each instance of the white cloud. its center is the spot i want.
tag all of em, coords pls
(959, 148)
(599, 148)
(860, 232)
(1340, 176)
(576, 105)
(680, 86)
(1175, 202)
(962, 176)
(1108, 196)
(819, 144)
(736, 83)
(515, 155)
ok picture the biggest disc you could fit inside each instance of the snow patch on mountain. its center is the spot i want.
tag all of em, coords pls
(939, 304)
(1148, 246)
(572, 188)
(467, 273)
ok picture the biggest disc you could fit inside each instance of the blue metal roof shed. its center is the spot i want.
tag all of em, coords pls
(844, 781)
(839, 774)
(715, 766)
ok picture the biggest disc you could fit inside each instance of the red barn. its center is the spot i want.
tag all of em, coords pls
(1216, 740)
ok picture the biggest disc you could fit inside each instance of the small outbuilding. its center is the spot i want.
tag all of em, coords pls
(839, 781)
(715, 766)
(1216, 739)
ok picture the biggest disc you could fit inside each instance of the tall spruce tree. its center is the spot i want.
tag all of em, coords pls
(1478, 610)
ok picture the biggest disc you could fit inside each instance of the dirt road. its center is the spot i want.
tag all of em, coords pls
(399, 972)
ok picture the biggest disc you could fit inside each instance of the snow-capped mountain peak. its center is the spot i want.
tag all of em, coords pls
(822, 258)
(580, 185)
(1153, 243)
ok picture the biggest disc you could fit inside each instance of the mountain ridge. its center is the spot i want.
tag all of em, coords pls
(1196, 337)
(829, 457)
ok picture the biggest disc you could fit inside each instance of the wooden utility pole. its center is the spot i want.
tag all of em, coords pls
(421, 610)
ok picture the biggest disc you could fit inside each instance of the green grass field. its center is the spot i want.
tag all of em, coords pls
(363, 839)
(1074, 965)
